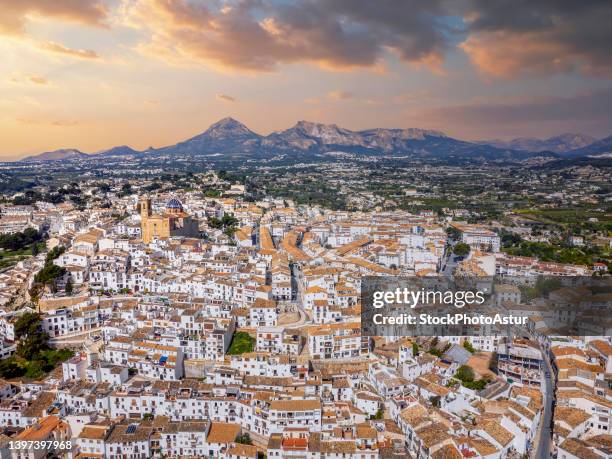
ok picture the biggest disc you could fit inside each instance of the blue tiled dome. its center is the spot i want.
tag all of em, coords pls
(174, 204)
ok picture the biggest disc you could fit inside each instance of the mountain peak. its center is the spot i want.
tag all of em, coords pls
(118, 151)
(318, 129)
(62, 153)
(602, 147)
(228, 127)
(227, 121)
(559, 144)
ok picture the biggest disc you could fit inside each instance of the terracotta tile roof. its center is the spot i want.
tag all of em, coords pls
(222, 432)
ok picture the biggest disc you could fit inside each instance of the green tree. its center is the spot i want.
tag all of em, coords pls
(68, 289)
(54, 253)
(49, 274)
(28, 323)
(465, 373)
(35, 369)
(435, 351)
(10, 368)
(461, 249)
(32, 338)
(212, 193)
(468, 346)
(244, 439)
(453, 233)
(19, 240)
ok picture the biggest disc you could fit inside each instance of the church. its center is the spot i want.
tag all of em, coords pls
(173, 222)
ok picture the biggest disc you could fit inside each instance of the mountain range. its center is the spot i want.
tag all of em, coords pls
(558, 144)
(231, 138)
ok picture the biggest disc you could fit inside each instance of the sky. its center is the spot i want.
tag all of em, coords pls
(92, 74)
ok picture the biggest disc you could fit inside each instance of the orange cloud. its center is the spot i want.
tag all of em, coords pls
(226, 98)
(29, 80)
(259, 36)
(340, 95)
(14, 13)
(61, 49)
(38, 80)
(505, 54)
(509, 39)
(56, 123)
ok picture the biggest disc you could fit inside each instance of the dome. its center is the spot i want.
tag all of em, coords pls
(174, 204)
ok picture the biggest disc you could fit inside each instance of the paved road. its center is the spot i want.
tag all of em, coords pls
(304, 318)
(448, 263)
(544, 436)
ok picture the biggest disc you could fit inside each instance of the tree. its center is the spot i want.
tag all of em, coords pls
(10, 368)
(32, 339)
(453, 233)
(20, 240)
(49, 274)
(35, 369)
(468, 347)
(28, 323)
(104, 188)
(244, 439)
(31, 345)
(214, 222)
(35, 250)
(493, 362)
(461, 249)
(212, 193)
(68, 289)
(415, 349)
(54, 253)
(465, 373)
(126, 190)
(435, 351)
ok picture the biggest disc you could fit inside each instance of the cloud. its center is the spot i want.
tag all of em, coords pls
(340, 95)
(30, 80)
(259, 36)
(56, 123)
(590, 110)
(38, 80)
(226, 98)
(61, 49)
(64, 122)
(502, 38)
(15, 13)
(543, 37)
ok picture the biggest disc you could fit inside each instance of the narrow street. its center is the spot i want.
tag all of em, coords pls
(543, 438)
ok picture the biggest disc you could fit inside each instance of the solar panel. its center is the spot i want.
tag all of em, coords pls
(131, 429)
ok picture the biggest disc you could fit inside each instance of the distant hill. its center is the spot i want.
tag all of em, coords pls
(226, 136)
(118, 151)
(71, 153)
(558, 144)
(305, 138)
(57, 155)
(600, 148)
(232, 139)
(306, 135)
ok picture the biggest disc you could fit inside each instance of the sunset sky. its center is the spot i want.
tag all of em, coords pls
(92, 74)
